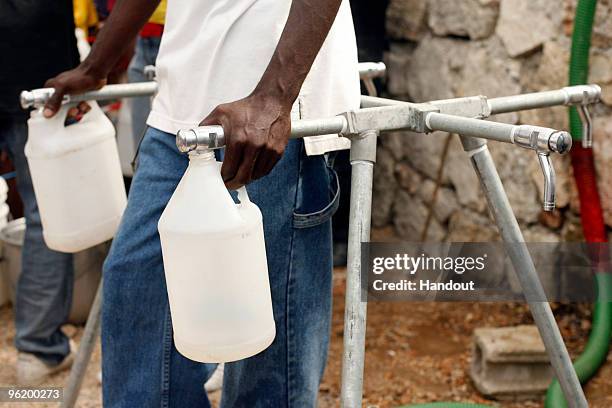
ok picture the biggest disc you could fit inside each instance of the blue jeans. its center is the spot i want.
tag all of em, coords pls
(145, 54)
(141, 367)
(44, 290)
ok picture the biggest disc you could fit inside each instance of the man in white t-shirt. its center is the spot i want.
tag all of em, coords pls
(251, 66)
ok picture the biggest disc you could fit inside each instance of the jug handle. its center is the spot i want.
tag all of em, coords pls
(243, 196)
(59, 118)
(93, 113)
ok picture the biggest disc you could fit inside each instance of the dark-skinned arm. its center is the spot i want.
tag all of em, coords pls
(257, 128)
(122, 26)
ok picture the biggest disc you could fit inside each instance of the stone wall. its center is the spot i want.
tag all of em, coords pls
(451, 48)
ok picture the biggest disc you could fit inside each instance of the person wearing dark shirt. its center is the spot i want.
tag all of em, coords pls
(37, 41)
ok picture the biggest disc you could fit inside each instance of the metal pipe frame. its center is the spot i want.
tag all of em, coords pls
(420, 118)
(362, 127)
(525, 270)
(362, 158)
(568, 96)
(38, 97)
(88, 342)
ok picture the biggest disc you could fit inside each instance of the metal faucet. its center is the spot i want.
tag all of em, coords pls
(583, 96)
(544, 141)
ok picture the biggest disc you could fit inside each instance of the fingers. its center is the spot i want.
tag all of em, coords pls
(55, 101)
(255, 140)
(244, 174)
(234, 151)
(266, 161)
(73, 81)
(234, 145)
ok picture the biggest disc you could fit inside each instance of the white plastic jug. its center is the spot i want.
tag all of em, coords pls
(77, 178)
(216, 268)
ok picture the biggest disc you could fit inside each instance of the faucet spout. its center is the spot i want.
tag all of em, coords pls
(549, 181)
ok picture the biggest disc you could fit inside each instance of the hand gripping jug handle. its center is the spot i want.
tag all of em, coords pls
(60, 117)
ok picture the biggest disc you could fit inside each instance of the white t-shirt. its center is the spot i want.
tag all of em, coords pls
(215, 51)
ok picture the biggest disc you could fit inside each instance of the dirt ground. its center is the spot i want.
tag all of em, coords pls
(416, 352)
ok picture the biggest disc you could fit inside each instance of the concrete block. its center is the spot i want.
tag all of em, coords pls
(510, 363)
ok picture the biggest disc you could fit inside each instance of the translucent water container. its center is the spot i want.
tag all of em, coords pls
(77, 178)
(216, 268)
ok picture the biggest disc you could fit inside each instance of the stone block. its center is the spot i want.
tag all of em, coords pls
(524, 25)
(431, 71)
(406, 19)
(408, 178)
(384, 188)
(463, 178)
(510, 363)
(468, 226)
(409, 218)
(515, 167)
(474, 19)
(446, 200)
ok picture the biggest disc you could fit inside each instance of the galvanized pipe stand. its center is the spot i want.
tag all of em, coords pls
(461, 116)
(525, 270)
(362, 157)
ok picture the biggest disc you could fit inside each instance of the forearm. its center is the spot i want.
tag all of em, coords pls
(305, 31)
(121, 27)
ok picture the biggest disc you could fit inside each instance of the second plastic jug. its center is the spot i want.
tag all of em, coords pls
(216, 268)
(77, 178)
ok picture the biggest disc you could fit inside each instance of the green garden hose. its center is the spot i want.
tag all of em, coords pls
(596, 350)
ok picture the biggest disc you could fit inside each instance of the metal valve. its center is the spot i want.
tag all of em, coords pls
(544, 141)
(202, 137)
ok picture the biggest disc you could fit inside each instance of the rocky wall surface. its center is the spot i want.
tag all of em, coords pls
(442, 49)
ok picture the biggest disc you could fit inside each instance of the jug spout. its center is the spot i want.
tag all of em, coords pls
(202, 154)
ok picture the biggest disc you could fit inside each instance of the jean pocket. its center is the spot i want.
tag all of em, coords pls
(312, 219)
